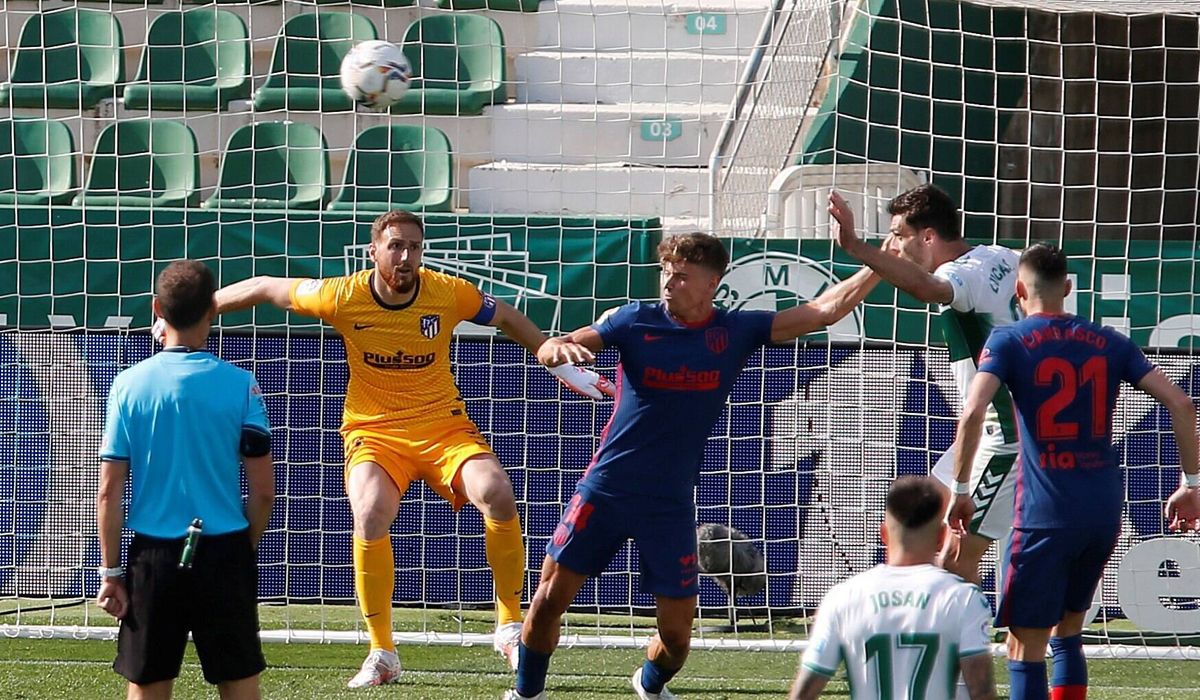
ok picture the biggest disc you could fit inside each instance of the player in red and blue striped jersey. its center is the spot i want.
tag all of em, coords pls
(679, 360)
(1064, 373)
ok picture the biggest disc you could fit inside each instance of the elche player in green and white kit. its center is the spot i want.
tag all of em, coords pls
(903, 629)
(975, 289)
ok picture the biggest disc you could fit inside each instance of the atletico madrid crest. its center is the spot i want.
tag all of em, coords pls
(431, 325)
(717, 339)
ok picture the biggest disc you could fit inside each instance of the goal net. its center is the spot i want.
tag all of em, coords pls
(549, 148)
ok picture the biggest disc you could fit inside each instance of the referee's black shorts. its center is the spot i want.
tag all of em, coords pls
(215, 600)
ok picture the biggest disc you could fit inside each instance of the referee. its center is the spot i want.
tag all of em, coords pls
(182, 424)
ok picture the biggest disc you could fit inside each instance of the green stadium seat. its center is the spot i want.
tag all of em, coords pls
(66, 59)
(195, 60)
(37, 162)
(273, 165)
(398, 167)
(143, 163)
(458, 65)
(370, 3)
(508, 5)
(231, 2)
(308, 55)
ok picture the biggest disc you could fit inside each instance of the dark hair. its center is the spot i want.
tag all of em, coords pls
(698, 248)
(185, 292)
(914, 501)
(928, 206)
(1047, 262)
(395, 217)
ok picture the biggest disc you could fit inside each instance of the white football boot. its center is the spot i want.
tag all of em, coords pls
(506, 640)
(647, 695)
(380, 668)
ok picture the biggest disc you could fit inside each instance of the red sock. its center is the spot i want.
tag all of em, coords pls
(1069, 692)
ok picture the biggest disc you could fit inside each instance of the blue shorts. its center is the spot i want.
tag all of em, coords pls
(1050, 572)
(594, 527)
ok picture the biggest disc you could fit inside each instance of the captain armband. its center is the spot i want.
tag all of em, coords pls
(487, 310)
(255, 443)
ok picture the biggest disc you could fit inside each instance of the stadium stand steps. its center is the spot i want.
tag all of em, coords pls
(646, 134)
(706, 26)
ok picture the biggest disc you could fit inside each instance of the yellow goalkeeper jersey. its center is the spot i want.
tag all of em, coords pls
(399, 355)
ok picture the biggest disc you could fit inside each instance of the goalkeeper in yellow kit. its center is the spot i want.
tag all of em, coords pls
(404, 419)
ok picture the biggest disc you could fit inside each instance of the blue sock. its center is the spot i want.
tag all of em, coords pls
(1027, 680)
(655, 677)
(1070, 665)
(532, 666)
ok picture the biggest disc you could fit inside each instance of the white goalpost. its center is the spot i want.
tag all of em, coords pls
(577, 133)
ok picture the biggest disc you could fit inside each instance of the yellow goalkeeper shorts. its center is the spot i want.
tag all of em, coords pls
(431, 452)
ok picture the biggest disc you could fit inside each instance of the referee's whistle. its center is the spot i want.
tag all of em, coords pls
(190, 543)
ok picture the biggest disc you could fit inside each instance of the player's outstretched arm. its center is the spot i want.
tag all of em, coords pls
(904, 274)
(827, 309)
(970, 425)
(808, 685)
(517, 326)
(977, 676)
(1182, 509)
(254, 291)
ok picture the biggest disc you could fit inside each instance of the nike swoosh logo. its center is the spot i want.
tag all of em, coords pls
(363, 326)
(368, 617)
(687, 581)
(651, 338)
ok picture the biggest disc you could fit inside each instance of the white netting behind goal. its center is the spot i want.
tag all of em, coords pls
(550, 146)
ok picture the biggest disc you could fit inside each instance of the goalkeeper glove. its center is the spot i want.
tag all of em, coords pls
(583, 381)
(159, 330)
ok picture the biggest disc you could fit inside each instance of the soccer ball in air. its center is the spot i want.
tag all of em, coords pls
(375, 74)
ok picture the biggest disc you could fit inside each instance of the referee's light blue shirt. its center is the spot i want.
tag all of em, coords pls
(177, 419)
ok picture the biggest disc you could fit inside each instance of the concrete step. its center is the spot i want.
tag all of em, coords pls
(616, 189)
(588, 77)
(711, 26)
(644, 134)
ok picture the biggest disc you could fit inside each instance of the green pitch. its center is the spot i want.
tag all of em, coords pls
(65, 668)
(82, 669)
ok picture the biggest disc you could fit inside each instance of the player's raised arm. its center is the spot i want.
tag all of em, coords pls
(256, 290)
(966, 444)
(1182, 509)
(827, 309)
(902, 273)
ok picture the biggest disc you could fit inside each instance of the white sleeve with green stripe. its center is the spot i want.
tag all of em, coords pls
(824, 652)
(977, 619)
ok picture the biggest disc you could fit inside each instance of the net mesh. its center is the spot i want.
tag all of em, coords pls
(618, 121)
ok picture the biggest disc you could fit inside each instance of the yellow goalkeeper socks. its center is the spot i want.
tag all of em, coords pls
(374, 581)
(506, 555)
